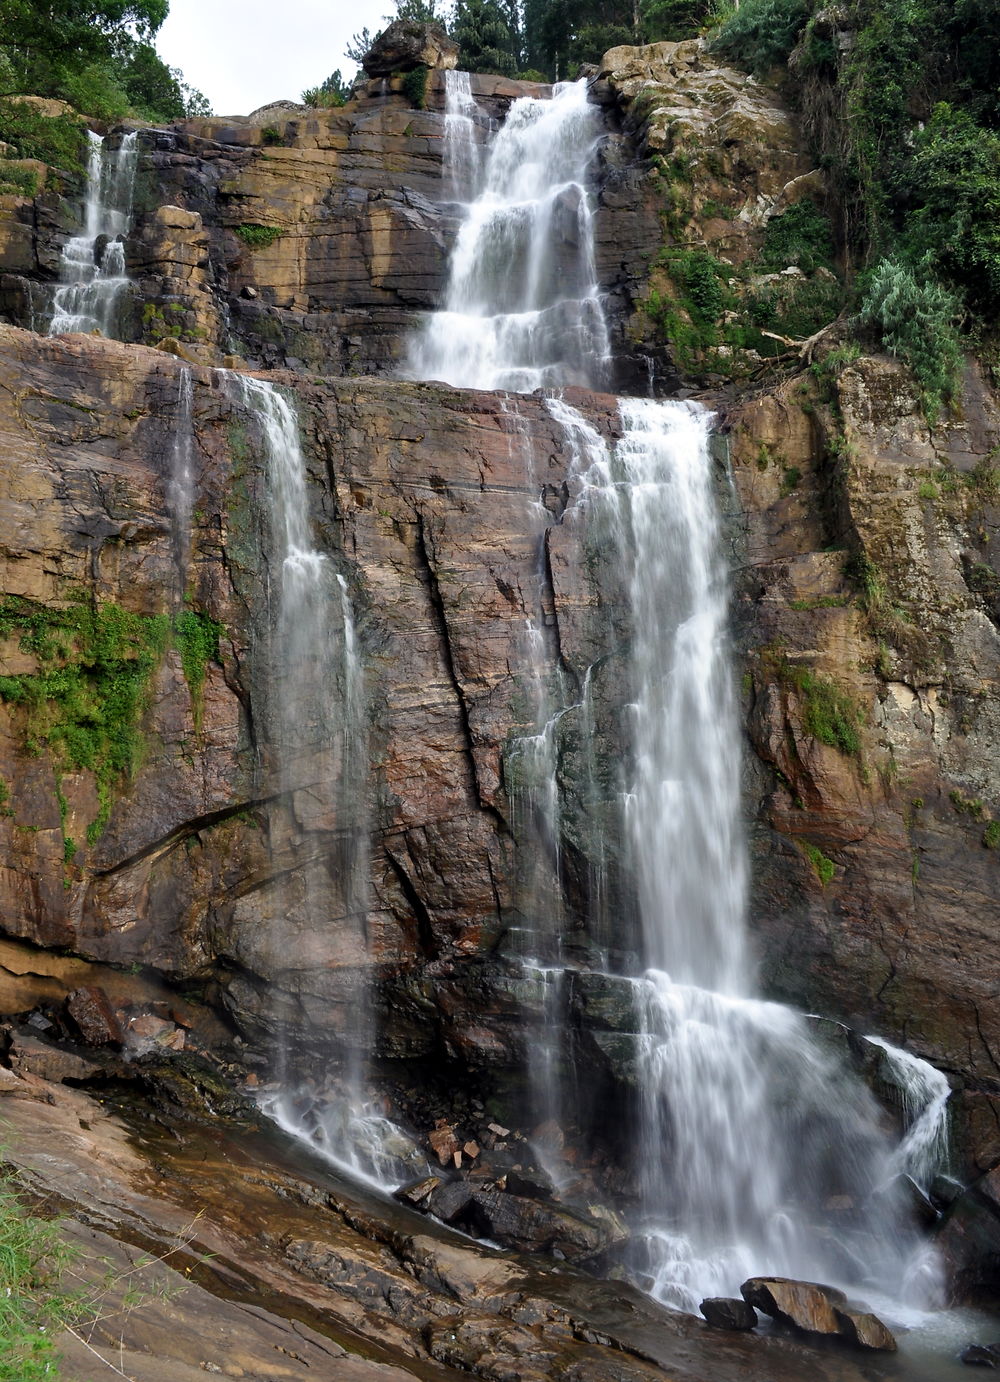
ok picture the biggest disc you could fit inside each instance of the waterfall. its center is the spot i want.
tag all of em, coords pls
(462, 148)
(924, 1093)
(92, 269)
(522, 308)
(180, 489)
(317, 756)
(758, 1151)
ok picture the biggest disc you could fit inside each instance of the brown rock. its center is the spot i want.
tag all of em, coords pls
(94, 1016)
(866, 1330)
(804, 1304)
(407, 44)
(445, 1144)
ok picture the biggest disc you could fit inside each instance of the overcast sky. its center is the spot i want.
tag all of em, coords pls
(245, 53)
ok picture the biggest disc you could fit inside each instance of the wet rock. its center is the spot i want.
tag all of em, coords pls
(94, 1017)
(418, 1192)
(726, 1313)
(534, 1226)
(531, 1185)
(804, 1304)
(816, 1309)
(944, 1191)
(866, 1330)
(445, 1142)
(34, 1056)
(407, 44)
(981, 1355)
(450, 1200)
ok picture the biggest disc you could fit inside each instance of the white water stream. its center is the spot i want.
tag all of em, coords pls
(759, 1151)
(522, 310)
(92, 271)
(317, 744)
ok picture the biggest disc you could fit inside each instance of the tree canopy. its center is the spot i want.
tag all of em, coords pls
(96, 54)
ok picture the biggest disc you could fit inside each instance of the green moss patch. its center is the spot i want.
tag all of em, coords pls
(258, 237)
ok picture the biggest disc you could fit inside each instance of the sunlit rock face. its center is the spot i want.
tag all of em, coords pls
(864, 555)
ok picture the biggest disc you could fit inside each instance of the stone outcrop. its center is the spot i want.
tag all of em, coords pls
(406, 44)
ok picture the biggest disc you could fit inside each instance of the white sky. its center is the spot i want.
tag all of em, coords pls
(245, 53)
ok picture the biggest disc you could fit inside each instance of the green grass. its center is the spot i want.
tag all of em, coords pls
(33, 1304)
(829, 713)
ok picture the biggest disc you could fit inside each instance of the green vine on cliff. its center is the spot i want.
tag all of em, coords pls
(84, 703)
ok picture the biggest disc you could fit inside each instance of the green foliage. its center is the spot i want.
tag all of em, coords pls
(333, 92)
(59, 141)
(829, 713)
(802, 235)
(967, 806)
(18, 182)
(197, 639)
(32, 1305)
(86, 700)
(991, 836)
(487, 34)
(914, 319)
(792, 306)
(98, 56)
(257, 236)
(823, 867)
(701, 279)
(415, 87)
(762, 33)
(953, 186)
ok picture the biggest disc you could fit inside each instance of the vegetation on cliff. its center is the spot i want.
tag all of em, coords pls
(899, 101)
(99, 57)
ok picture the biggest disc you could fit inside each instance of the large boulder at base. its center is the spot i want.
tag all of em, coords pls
(407, 44)
(817, 1309)
(724, 1313)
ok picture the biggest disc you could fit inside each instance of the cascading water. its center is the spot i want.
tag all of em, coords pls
(758, 1151)
(317, 733)
(181, 483)
(92, 272)
(522, 309)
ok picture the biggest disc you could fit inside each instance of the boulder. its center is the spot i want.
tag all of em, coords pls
(804, 1304)
(817, 1309)
(981, 1355)
(93, 1015)
(407, 44)
(538, 1226)
(725, 1313)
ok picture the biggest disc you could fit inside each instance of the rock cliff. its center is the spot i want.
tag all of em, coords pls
(143, 824)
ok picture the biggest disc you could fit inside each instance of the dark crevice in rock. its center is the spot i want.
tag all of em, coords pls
(189, 828)
(425, 930)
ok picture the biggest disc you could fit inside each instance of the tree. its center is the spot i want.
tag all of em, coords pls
(333, 92)
(48, 42)
(482, 32)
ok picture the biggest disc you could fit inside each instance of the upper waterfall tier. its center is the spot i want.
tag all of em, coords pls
(522, 310)
(92, 270)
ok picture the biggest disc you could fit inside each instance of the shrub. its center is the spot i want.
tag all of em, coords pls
(58, 141)
(762, 33)
(415, 87)
(915, 321)
(258, 237)
(802, 235)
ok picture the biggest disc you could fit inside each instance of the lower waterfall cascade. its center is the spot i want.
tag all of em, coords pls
(749, 1128)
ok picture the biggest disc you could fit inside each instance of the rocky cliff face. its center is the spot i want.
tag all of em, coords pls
(143, 822)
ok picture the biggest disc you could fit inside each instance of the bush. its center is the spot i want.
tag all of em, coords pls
(258, 237)
(96, 91)
(58, 141)
(802, 235)
(762, 33)
(915, 321)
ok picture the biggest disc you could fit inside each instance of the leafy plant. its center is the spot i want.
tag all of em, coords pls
(257, 236)
(914, 318)
(802, 235)
(761, 33)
